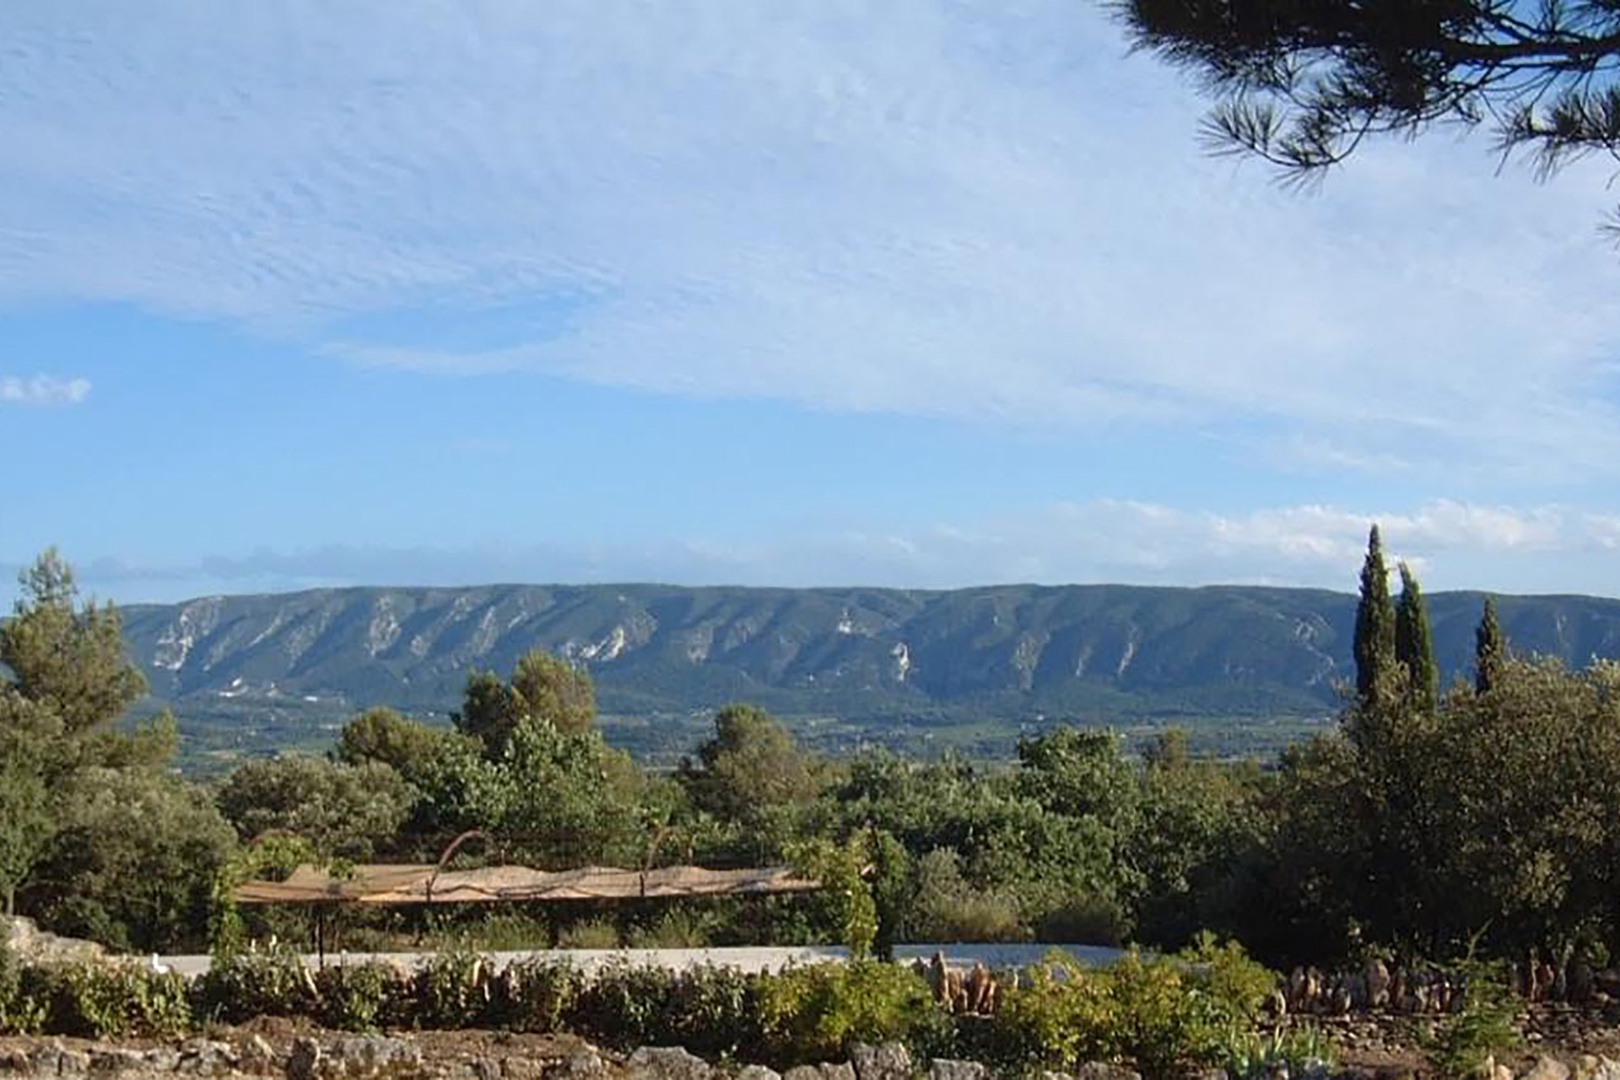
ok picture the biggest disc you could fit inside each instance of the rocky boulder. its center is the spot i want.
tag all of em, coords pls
(946, 1069)
(667, 1063)
(354, 1057)
(891, 1061)
(31, 945)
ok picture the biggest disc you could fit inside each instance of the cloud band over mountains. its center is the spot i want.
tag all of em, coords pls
(1549, 549)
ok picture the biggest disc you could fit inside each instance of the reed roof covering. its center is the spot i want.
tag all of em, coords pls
(386, 884)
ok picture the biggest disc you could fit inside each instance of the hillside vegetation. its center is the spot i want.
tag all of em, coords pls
(961, 668)
(1470, 824)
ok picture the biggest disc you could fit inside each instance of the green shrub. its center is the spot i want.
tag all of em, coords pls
(540, 995)
(1237, 985)
(677, 928)
(1163, 1019)
(840, 869)
(815, 1013)
(28, 1010)
(1161, 1013)
(624, 1006)
(713, 1012)
(780, 919)
(590, 934)
(1253, 1055)
(944, 906)
(1058, 1016)
(107, 1000)
(498, 931)
(455, 989)
(1483, 1027)
(978, 917)
(10, 984)
(360, 997)
(274, 855)
(1095, 920)
(256, 981)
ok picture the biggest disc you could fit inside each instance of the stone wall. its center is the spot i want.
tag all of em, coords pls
(330, 1056)
(494, 1056)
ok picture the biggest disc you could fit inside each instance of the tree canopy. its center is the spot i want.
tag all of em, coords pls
(1414, 645)
(1375, 625)
(1485, 812)
(1490, 649)
(26, 822)
(65, 656)
(382, 736)
(543, 687)
(750, 765)
(65, 681)
(343, 810)
(1303, 83)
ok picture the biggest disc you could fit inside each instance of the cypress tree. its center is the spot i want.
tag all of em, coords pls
(1490, 650)
(1375, 625)
(1414, 647)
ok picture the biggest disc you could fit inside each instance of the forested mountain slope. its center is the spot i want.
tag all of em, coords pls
(869, 657)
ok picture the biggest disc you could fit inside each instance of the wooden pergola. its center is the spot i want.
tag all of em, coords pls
(410, 884)
(322, 891)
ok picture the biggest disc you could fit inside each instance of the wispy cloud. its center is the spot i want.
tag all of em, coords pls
(962, 210)
(1453, 545)
(42, 391)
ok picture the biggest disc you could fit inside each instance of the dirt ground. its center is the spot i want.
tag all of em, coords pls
(1391, 1045)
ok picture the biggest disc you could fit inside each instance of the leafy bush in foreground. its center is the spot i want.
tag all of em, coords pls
(815, 1013)
(623, 1006)
(1254, 1055)
(10, 984)
(360, 997)
(1057, 1017)
(1159, 1013)
(267, 981)
(714, 1011)
(1484, 1026)
(540, 994)
(102, 1001)
(455, 989)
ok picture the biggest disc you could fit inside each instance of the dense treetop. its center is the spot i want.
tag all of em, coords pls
(1303, 83)
(1429, 817)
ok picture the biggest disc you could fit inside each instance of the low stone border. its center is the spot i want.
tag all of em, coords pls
(332, 1056)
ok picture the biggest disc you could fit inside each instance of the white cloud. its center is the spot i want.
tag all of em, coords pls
(42, 391)
(1452, 545)
(964, 210)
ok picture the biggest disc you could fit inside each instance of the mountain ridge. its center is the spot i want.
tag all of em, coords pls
(873, 659)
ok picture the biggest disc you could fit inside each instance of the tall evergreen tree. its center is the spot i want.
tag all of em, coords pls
(66, 656)
(27, 820)
(1414, 647)
(1375, 625)
(1490, 650)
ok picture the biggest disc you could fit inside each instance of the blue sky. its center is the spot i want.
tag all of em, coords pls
(923, 293)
